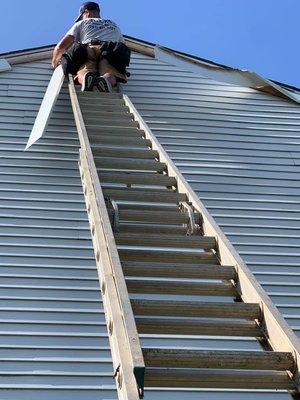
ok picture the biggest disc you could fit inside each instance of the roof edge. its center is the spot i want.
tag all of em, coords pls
(45, 52)
(225, 73)
(229, 75)
(28, 55)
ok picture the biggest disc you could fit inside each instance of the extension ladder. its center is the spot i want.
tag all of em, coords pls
(153, 238)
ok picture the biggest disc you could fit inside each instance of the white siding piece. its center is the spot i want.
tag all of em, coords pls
(47, 105)
(4, 65)
(53, 340)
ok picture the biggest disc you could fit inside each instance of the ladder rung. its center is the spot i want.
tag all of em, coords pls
(179, 241)
(96, 113)
(168, 255)
(173, 308)
(181, 288)
(195, 378)
(170, 217)
(114, 130)
(108, 122)
(148, 206)
(194, 326)
(91, 121)
(120, 140)
(177, 270)
(151, 228)
(144, 195)
(112, 105)
(131, 178)
(99, 97)
(112, 109)
(187, 358)
(125, 163)
(119, 152)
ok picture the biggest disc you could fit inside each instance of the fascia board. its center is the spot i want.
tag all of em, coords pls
(232, 76)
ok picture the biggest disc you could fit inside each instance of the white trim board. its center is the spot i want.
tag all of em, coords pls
(45, 111)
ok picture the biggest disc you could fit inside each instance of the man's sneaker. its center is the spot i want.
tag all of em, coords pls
(103, 84)
(89, 81)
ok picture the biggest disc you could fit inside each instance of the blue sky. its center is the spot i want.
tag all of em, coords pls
(257, 35)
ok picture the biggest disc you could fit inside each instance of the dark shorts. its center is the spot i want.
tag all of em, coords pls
(92, 64)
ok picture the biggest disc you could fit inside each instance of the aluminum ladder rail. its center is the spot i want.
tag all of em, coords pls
(159, 226)
(124, 342)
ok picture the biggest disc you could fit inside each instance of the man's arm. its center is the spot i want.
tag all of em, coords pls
(60, 48)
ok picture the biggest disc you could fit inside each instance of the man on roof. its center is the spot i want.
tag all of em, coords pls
(107, 55)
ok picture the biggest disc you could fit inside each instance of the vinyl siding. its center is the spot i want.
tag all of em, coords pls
(239, 150)
(53, 338)
(50, 298)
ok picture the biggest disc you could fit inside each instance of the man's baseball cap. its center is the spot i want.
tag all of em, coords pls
(89, 5)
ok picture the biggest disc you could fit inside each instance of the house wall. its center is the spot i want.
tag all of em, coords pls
(50, 297)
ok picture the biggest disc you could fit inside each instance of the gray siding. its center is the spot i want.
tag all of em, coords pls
(53, 339)
(51, 311)
(239, 150)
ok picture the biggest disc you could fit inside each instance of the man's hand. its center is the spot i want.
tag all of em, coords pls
(60, 48)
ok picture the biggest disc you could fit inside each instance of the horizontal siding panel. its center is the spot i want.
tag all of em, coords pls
(270, 180)
(38, 162)
(186, 100)
(245, 137)
(38, 179)
(274, 214)
(224, 138)
(196, 85)
(44, 205)
(212, 120)
(196, 160)
(223, 114)
(189, 92)
(269, 240)
(258, 221)
(48, 351)
(52, 339)
(10, 152)
(54, 392)
(38, 228)
(208, 186)
(253, 204)
(36, 195)
(10, 140)
(150, 105)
